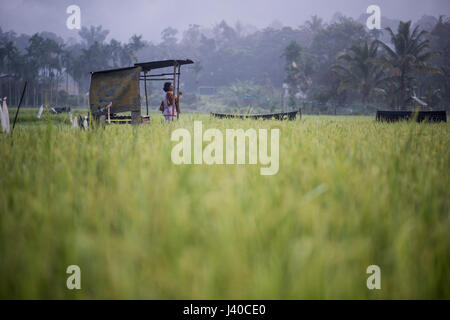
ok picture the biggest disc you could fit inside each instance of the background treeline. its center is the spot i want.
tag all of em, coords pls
(323, 66)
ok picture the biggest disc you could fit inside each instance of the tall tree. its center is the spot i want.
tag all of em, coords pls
(294, 76)
(315, 24)
(327, 44)
(92, 35)
(169, 41)
(438, 85)
(409, 54)
(358, 71)
(45, 57)
(129, 51)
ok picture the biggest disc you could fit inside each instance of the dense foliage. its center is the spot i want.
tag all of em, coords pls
(340, 63)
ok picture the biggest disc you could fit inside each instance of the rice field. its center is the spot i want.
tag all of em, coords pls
(349, 193)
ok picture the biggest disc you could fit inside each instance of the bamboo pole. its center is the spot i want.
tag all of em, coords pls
(178, 91)
(174, 83)
(158, 79)
(109, 113)
(159, 75)
(18, 107)
(146, 98)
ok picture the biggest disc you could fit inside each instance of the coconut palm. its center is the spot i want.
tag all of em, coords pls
(409, 54)
(315, 24)
(357, 70)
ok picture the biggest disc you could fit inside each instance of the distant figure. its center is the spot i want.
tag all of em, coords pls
(170, 104)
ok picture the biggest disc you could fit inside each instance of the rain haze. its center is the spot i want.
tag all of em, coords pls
(149, 18)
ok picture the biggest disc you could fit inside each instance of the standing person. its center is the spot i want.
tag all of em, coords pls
(170, 103)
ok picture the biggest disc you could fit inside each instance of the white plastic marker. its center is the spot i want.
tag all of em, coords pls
(85, 123)
(5, 117)
(108, 107)
(73, 121)
(41, 109)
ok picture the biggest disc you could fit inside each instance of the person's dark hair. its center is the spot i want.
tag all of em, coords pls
(167, 86)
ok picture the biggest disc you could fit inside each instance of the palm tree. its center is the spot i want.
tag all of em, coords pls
(358, 71)
(409, 54)
(93, 34)
(294, 74)
(315, 24)
(9, 57)
(197, 68)
(129, 51)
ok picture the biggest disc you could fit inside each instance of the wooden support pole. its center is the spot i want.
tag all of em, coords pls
(18, 107)
(158, 79)
(145, 86)
(158, 75)
(178, 91)
(174, 86)
(109, 112)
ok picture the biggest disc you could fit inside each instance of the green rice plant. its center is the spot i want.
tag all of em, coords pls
(350, 192)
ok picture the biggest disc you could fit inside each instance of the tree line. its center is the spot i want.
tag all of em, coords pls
(345, 64)
(47, 62)
(337, 63)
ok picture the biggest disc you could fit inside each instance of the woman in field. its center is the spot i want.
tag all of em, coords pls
(169, 105)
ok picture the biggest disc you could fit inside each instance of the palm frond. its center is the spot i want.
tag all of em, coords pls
(426, 69)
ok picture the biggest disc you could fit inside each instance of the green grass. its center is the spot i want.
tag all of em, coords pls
(350, 192)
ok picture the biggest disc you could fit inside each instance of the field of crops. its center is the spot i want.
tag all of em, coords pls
(349, 193)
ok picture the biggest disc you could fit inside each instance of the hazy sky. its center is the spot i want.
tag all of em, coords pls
(149, 17)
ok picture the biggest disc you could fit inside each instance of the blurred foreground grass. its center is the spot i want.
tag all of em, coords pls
(349, 193)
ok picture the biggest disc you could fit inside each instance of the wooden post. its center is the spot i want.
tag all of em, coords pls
(145, 85)
(174, 86)
(109, 112)
(178, 91)
(18, 107)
